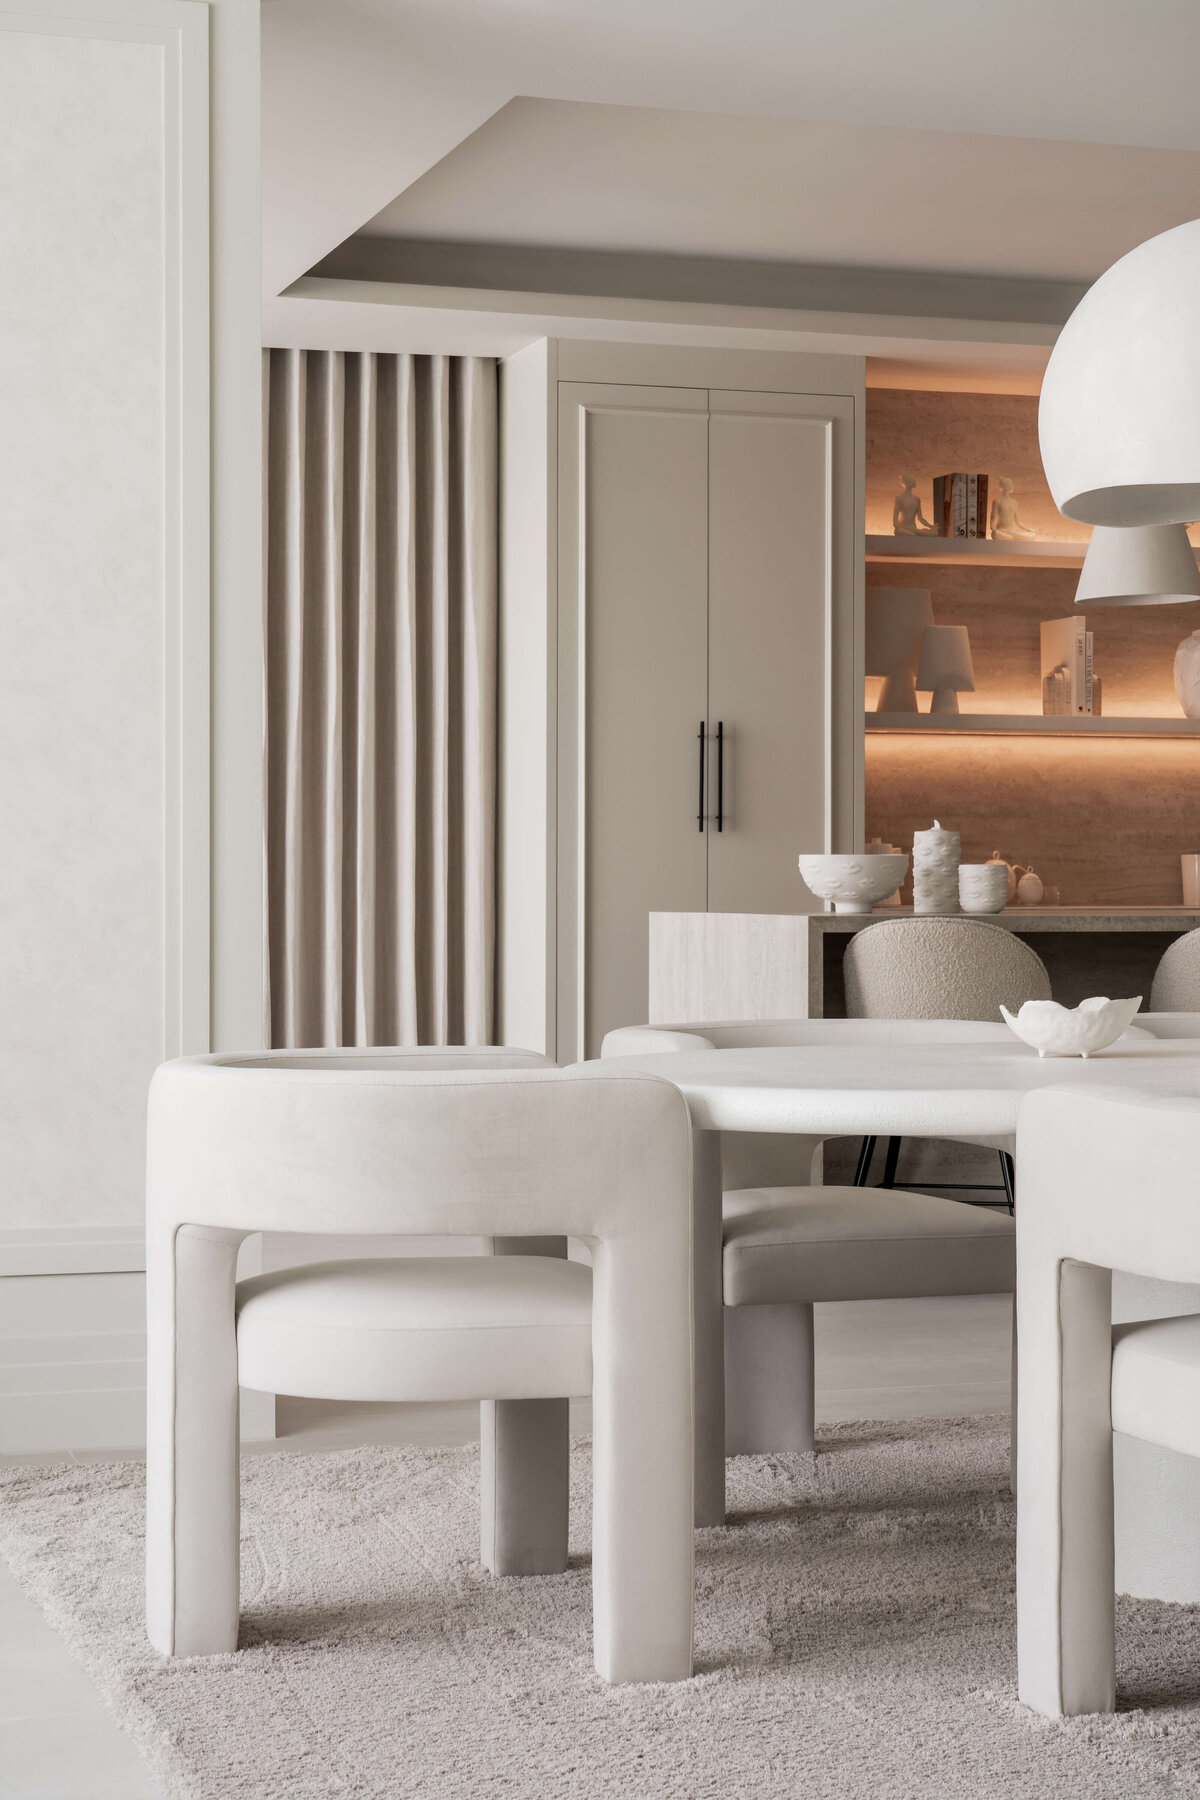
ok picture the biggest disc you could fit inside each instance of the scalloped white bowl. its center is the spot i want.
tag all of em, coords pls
(854, 883)
(1054, 1030)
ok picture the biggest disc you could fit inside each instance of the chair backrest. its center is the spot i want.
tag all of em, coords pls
(1169, 1024)
(1176, 984)
(429, 1142)
(1108, 1178)
(940, 969)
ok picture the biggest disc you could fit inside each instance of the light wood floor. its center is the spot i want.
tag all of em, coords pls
(875, 1360)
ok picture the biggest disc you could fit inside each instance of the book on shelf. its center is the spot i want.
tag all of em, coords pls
(960, 505)
(1070, 686)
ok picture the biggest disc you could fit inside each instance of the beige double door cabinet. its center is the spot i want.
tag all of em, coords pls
(706, 582)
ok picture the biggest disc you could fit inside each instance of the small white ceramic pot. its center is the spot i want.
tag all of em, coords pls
(982, 887)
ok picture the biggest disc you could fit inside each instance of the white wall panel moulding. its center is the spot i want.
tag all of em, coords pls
(73, 1250)
(1120, 412)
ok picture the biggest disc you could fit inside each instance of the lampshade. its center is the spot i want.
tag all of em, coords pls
(1119, 419)
(946, 666)
(896, 622)
(1138, 565)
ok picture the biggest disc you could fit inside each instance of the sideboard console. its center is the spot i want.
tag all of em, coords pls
(708, 965)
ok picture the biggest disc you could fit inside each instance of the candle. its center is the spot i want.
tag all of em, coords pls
(936, 856)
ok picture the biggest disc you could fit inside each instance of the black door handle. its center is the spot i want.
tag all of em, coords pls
(703, 747)
(720, 775)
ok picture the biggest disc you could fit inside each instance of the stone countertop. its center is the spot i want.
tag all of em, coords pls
(1035, 918)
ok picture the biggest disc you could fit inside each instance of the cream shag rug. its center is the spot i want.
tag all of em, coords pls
(854, 1638)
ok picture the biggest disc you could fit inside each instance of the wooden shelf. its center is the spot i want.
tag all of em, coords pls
(1027, 725)
(1026, 554)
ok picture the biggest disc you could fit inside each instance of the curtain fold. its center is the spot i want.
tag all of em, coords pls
(381, 596)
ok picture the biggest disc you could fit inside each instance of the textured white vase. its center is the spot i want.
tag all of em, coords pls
(982, 887)
(1187, 675)
(936, 856)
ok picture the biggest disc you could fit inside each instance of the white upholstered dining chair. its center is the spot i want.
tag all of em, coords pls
(786, 1247)
(433, 1143)
(1108, 1182)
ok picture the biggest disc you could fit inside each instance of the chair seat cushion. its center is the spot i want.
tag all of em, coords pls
(1156, 1381)
(847, 1243)
(419, 1328)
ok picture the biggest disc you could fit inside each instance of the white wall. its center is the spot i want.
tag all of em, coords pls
(82, 621)
(130, 642)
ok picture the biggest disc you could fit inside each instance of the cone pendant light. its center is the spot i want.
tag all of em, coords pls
(1138, 565)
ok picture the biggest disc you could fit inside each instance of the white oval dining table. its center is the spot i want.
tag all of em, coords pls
(944, 1079)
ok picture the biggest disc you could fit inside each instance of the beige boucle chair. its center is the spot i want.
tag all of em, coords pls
(938, 969)
(1176, 985)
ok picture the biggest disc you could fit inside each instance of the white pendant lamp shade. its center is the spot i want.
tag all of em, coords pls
(896, 622)
(1138, 565)
(1119, 420)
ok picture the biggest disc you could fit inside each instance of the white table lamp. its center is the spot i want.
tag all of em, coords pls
(896, 622)
(945, 667)
(1138, 565)
(1119, 419)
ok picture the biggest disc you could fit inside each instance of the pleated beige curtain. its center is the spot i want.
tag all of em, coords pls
(381, 506)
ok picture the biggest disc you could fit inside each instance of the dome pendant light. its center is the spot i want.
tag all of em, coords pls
(1119, 419)
(1138, 565)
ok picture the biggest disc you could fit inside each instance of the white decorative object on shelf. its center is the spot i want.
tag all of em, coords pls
(907, 518)
(1119, 419)
(1189, 864)
(983, 887)
(877, 847)
(1054, 1030)
(896, 622)
(853, 883)
(945, 669)
(1012, 873)
(936, 855)
(1138, 565)
(1187, 675)
(1006, 517)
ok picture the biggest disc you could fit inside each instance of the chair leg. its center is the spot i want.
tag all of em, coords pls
(643, 1469)
(524, 1486)
(890, 1161)
(1065, 1562)
(865, 1155)
(524, 1466)
(192, 1499)
(768, 1379)
(708, 1312)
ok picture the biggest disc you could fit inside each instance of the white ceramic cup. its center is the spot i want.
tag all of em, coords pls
(1190, 864)
(983, 887)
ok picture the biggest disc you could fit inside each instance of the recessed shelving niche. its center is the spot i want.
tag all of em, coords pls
(1103, 821)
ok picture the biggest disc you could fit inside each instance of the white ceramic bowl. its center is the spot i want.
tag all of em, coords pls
(1055, 1030)
(853, 883)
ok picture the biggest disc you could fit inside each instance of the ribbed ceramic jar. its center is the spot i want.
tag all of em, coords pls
(936, 856)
